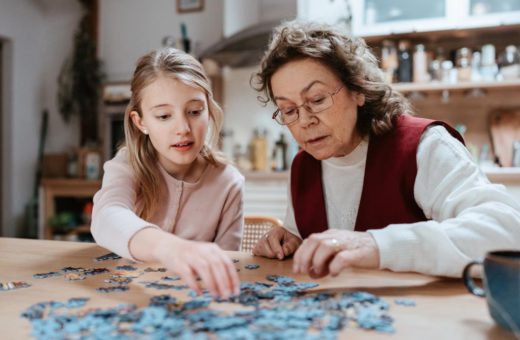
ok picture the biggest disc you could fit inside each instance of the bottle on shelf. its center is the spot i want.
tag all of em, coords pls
(448, 73)
(389, 62)
(435, 65)
(259, 151)
(476, 62)
(279, 157)
(404, 70)
(510, 63)
(184, 41)
(420, 67)
(489, 67)
(463, 64)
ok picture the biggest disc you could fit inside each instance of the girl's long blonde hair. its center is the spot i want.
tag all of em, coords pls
(143, 158)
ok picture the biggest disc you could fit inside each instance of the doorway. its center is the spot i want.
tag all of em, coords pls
(6, 62)
(1, 140)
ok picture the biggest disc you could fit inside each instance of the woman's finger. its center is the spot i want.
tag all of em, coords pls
(343, 260)
(275, 239)
(323, 255)
(262, 247)
(290, 246)
(303, 256)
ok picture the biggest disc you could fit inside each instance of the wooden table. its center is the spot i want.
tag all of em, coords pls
(444, 310)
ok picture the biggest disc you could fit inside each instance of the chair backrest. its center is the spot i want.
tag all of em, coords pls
(254, 228)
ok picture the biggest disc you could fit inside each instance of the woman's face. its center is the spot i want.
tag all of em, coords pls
(176, 118)
(331, 132)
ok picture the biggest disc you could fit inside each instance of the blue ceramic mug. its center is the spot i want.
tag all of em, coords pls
(501, 279)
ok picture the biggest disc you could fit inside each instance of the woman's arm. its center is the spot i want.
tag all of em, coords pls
(470, 216)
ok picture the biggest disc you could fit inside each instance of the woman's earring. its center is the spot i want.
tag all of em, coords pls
(145, 131)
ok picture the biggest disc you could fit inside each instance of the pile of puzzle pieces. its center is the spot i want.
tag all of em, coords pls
(278, 308)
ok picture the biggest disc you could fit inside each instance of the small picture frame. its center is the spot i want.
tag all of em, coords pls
(186, 6)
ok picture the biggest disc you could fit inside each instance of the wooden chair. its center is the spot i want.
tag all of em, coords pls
(254, 228)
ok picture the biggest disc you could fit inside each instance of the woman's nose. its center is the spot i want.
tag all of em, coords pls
(306, 118)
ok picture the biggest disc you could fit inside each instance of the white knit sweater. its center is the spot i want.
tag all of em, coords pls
(468, 215)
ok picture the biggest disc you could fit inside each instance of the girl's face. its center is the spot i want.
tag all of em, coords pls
(330, 132)
(175, 117)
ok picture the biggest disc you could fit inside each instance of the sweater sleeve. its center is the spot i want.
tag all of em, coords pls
(229, 233)
(114, 221)
(290, 221)
(468, 215)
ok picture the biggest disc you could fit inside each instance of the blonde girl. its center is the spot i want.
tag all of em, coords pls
(168, 196)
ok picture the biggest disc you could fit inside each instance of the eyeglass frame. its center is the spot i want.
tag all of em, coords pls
(307, 108)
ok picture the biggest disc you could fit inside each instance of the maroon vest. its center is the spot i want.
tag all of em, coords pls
(390, 172)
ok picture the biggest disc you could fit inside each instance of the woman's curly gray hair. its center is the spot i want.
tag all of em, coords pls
(348, 57)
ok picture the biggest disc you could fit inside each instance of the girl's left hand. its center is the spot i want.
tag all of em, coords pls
(332, 251)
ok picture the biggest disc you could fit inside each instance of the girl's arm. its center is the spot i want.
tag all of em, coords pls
(114, 221)
(188, 259)
(116, 226)
(231, 222)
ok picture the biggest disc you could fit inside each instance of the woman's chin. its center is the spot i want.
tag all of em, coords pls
(320, 155)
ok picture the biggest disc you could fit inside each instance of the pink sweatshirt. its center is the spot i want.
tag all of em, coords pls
(207, 210)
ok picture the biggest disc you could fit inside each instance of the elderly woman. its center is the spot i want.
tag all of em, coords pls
(373, 187)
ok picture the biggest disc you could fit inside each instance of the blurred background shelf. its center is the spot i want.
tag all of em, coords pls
(438, 86)
(52, 190)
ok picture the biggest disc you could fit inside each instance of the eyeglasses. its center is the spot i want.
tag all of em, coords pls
(317, 104)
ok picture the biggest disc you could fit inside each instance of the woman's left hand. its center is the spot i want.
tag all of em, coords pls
(332, 251)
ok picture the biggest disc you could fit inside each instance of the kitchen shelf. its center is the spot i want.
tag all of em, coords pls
(265, 175)
(51, 189)
(499, 175)
(458, 34)
(439, 87)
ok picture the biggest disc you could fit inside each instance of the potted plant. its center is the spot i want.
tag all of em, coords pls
(79, 82)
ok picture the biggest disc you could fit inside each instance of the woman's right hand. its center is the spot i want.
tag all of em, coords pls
(193, 259)
(277, 243)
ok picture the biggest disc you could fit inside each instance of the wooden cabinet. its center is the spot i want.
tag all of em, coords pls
(51, 190)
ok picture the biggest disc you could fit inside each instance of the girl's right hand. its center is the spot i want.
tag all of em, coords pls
(192, 260)
(277, 243)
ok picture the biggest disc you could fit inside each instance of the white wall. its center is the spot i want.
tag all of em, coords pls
(244, 113)
(130, 28)
(331, 12)
(39, 35)
(239, 14)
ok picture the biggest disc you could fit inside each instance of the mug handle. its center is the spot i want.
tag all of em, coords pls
(469, 282)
